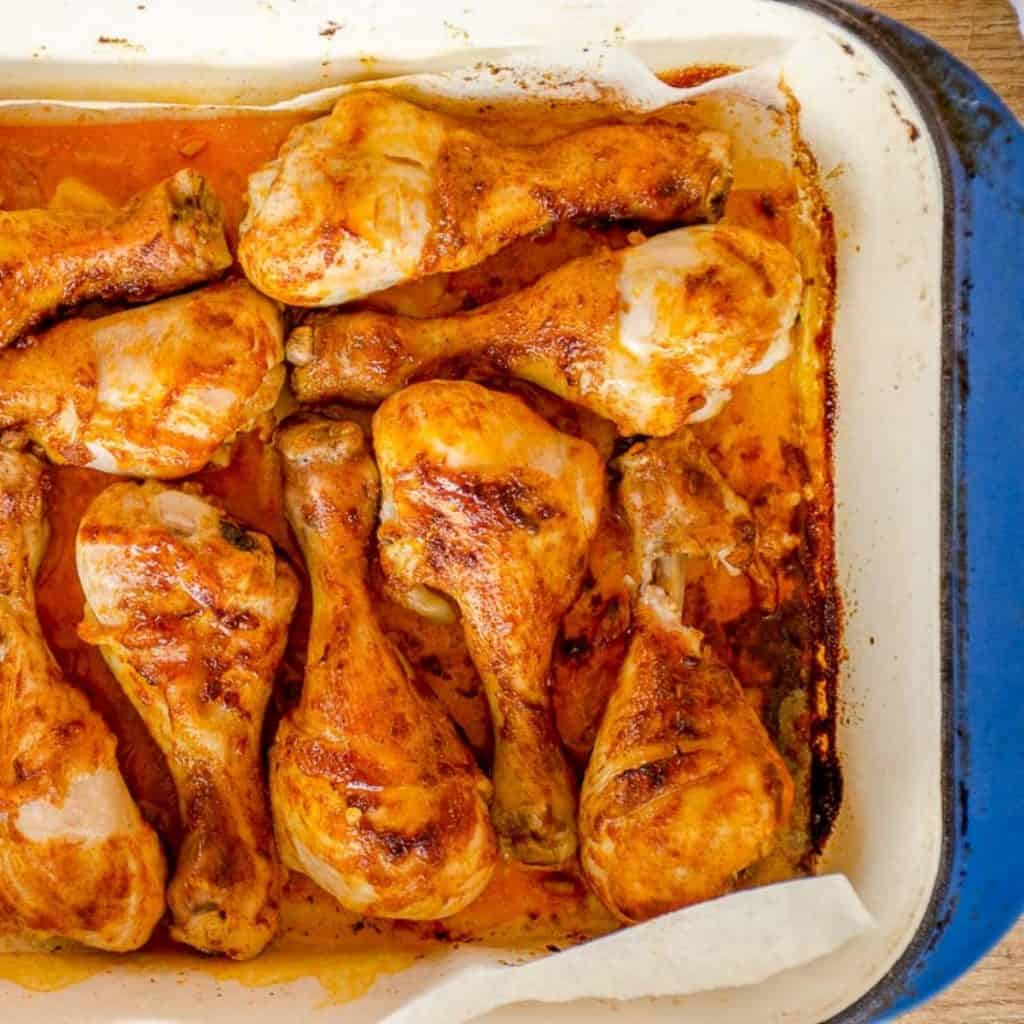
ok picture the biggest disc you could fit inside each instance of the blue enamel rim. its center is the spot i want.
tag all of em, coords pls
(979, 891)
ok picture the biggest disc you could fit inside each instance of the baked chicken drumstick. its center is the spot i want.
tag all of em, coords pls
(374, 796)
(382, 191)
(651, 337)
(77, 861)
(191, 613)
(486, 504)
(163, 240)
(149, 392)
(684, 788)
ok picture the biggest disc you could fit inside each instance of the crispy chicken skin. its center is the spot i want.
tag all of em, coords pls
(374, 796)
(163, 240)
(77, 861)
(485, 503)
(152, 391)
(651, 337)
(382, 191)
(191, 613)
(684, 789)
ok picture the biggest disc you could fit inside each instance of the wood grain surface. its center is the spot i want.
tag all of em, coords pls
(984, 34)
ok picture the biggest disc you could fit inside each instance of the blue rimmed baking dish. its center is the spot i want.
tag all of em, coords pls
(979, 891)
(925, 171)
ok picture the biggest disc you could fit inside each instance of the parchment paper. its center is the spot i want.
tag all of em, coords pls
(599, 73)
(737, 940)
(725, 943)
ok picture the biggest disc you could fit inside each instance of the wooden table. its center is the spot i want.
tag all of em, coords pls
(984, 34)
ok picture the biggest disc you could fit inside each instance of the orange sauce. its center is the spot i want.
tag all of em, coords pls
(120, 159)
(752, 441)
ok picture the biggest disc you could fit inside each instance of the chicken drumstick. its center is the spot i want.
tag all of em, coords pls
(374, 796)
(191, 613)
(650, 337)
(163, 240)
(382, 191)
(684, 787)
(149, 392)
(76, 859)
(485, 503)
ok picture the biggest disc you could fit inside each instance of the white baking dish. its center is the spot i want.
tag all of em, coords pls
(885, 190)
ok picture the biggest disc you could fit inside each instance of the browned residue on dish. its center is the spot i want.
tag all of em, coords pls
(698, 74)
(826, 780)
(120, 41)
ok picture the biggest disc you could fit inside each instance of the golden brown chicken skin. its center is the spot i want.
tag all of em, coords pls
(684, 788)
(163, 240)
(191, 613)
(486, 504)
(651, 337)
(382, 191)
(374, 796)
(150, 392)
(77, 861)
